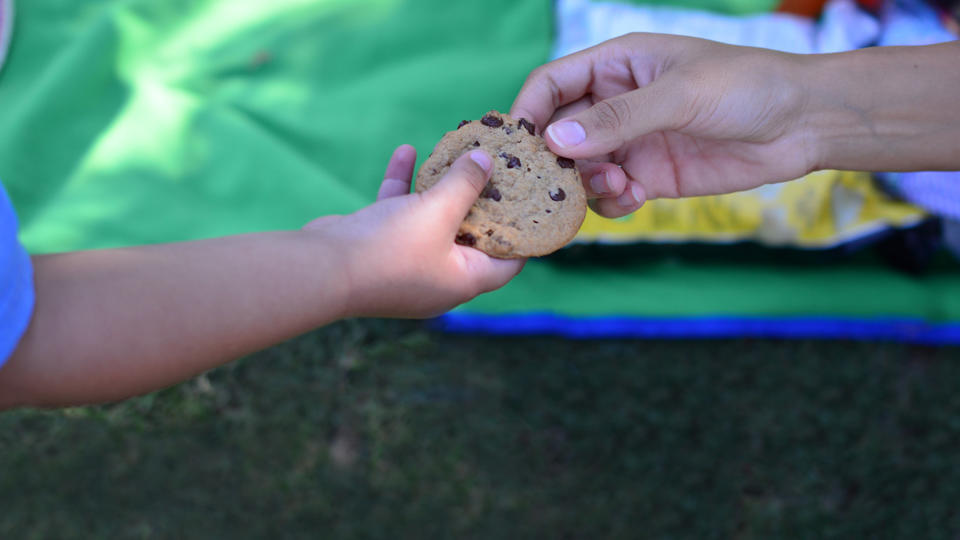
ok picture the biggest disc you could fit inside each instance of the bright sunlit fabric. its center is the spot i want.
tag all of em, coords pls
(138, 122)
(16, 281)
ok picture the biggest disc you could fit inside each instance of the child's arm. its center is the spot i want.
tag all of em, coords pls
(110, 324)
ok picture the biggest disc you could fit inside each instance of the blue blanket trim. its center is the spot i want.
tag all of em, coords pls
(905, 330)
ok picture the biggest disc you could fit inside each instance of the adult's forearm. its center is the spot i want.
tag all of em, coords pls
(885, 108)
(110, 324)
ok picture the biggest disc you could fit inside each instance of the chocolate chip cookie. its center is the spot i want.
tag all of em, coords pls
(534, 202)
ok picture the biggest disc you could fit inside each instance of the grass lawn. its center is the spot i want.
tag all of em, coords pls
(384, 429)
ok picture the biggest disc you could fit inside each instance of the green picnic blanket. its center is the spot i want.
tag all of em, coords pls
(138, 121)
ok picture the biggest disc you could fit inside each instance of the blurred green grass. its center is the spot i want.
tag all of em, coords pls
(386, 429)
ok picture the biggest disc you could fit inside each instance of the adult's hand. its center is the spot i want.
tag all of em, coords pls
(650, 115)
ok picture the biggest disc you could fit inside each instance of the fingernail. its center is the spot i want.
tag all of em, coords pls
(481, 158)
(599, 184)
(568, 133)
(631, 198)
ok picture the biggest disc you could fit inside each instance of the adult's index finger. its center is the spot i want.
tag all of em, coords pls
(554, 85)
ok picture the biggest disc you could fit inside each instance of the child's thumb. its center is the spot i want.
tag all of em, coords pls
(456, 192)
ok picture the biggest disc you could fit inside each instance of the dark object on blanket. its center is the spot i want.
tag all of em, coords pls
(952, 10)
(950, 6)
(912, 250)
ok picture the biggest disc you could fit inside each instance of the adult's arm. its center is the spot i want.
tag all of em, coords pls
(649, 115)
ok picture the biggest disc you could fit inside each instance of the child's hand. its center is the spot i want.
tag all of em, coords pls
(399, 254)
(208, 301)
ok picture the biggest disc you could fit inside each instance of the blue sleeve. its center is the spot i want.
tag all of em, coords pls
(16, 281)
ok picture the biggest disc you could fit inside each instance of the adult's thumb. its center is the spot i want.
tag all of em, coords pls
(613, 122)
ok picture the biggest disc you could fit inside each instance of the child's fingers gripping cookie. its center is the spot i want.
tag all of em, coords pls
(396, 180)
(534, 202)
(461, 184)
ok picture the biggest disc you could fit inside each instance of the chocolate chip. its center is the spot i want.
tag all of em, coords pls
(513, 162)
(508, 130)
(462, 123)
(476, 143)
(559, 195)
(490, 192)
(489, 232)
(548, 210)
(565, 163)
(537, 222)
(529, 126)
(466, 239)
(491, 120)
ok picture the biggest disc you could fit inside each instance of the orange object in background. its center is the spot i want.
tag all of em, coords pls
(806, 8)
(812, 8)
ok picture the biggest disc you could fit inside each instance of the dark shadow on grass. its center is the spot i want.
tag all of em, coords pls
(373, 429)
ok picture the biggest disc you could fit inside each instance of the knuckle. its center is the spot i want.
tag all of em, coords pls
(541, 81)
(612, 114)
(537, 74)
(632, 42)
